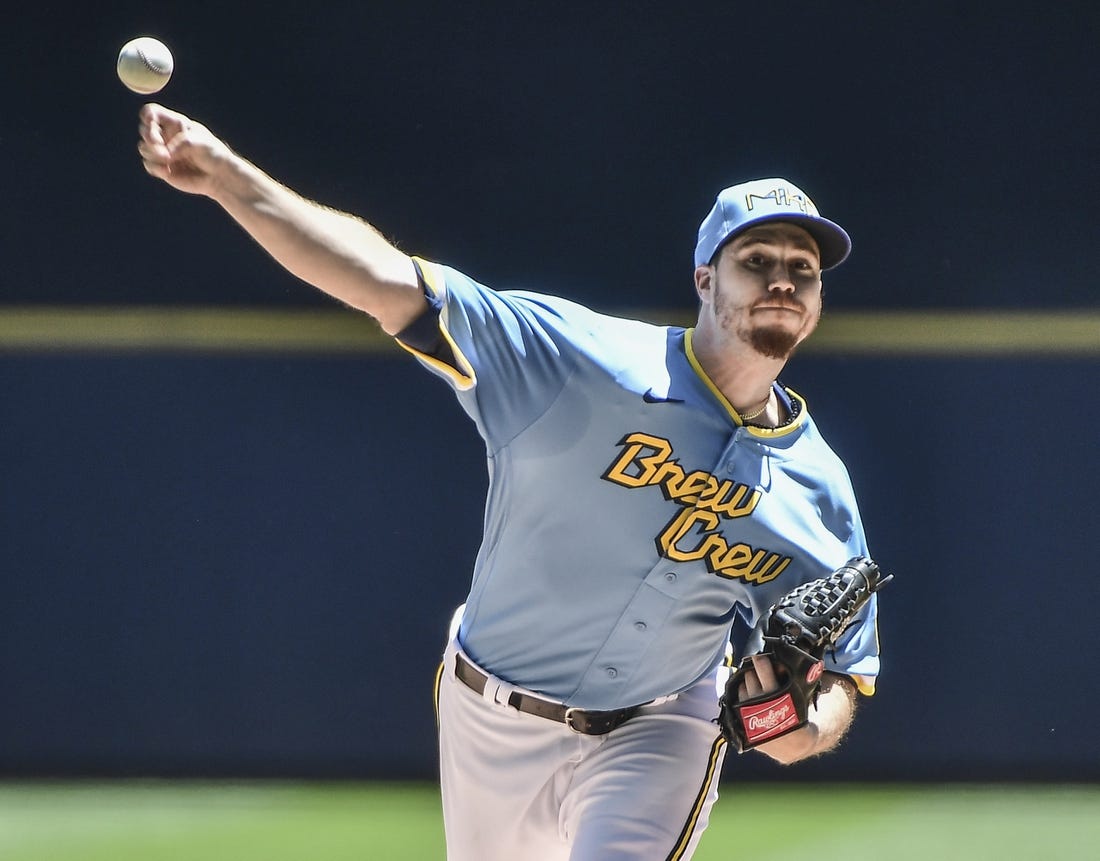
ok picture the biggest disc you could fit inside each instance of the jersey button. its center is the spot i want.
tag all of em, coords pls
(612, 672)
(640, 626)
(670, 576)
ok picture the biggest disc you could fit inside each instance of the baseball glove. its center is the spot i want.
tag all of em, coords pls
(797, 631)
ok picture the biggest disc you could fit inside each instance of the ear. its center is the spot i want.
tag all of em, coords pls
(704, 283)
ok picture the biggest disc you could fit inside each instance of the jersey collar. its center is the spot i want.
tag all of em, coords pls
(764, 433)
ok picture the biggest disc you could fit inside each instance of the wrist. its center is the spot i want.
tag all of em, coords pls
(232, 179)
(794, 746)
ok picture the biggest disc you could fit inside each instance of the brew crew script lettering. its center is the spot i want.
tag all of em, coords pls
(705, 501)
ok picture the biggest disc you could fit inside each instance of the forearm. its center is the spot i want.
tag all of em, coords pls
(335, 252)
(829, 721)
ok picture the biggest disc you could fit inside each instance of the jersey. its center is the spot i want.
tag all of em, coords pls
(633, 523)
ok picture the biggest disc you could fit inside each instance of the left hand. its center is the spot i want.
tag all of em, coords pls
(763, 679)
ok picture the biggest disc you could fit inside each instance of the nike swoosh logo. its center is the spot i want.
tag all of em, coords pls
(651, 398)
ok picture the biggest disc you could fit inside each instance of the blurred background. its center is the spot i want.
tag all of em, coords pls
(234, 521)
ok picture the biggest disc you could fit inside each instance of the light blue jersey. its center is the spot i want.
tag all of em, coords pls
(632, 521)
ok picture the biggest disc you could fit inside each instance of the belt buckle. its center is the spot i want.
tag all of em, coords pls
(570, 714)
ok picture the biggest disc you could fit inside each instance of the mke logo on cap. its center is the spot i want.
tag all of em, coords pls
(784, 199)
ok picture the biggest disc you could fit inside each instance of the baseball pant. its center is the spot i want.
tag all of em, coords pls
(515, 785)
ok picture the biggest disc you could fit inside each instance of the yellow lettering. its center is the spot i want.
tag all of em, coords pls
(636, 443)
(744, 563)
(692, 487)
(678, 529)
(669, 477)
(647, 460)
(735, 559)
(735, 505)
(763, 575)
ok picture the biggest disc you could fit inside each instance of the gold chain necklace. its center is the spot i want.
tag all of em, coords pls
(748, 417)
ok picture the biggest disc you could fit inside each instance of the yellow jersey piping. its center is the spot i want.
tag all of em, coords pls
(764, 433)
(463, 377)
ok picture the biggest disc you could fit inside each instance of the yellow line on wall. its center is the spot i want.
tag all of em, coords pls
(42, 329)
(201, 330)
(960, 333)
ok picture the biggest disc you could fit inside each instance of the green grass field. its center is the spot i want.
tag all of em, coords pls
(154, 821)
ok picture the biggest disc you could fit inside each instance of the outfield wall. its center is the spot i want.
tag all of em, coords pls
(221, 564)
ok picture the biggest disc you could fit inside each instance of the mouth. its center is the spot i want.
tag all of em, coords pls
(789, 308)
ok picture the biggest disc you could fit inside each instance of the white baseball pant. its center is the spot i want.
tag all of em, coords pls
(515, 785)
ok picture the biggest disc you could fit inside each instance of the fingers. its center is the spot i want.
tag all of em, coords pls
(153, 122)
(155, 159)
(154, 116)
(175, 148)
(765, 671)
(161, 127)
(157, 126)
(760, 680)
(150, 128)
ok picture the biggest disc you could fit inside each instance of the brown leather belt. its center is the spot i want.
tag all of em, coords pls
(578, 720)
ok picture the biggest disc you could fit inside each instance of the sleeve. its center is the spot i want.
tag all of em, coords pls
(506, 355)
(422, 335)
(857, 651)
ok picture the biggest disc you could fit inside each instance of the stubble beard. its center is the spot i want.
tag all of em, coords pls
(772, 342)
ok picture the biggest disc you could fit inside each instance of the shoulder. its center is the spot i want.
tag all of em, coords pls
(584, 318)
(555, 315)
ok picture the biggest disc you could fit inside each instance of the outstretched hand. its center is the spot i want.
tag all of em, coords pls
(183, 153)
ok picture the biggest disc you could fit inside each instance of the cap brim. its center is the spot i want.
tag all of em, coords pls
(833, 243)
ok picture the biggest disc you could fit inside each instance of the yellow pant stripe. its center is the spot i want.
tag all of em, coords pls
(713, 765)
(435, 691)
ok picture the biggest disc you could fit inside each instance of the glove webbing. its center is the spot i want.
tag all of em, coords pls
(818, 612)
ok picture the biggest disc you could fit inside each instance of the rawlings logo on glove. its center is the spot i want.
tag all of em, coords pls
(770, 719)
(798, 630)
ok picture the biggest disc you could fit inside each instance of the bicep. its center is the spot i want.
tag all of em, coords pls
(395, 297)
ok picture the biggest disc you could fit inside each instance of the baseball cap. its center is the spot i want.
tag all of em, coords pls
(740, 207)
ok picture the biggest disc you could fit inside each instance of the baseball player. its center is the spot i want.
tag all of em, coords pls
(653, 491)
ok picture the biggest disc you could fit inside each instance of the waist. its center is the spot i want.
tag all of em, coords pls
(584, 721)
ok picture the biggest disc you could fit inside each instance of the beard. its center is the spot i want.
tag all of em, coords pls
(773, 342)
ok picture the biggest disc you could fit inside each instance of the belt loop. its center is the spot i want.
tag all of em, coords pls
(498, 692)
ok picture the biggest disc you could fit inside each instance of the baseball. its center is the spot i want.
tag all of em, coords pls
(145, 65)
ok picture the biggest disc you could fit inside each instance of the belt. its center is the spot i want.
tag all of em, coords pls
(578, 720)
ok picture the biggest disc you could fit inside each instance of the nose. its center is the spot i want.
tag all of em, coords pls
(781, 281)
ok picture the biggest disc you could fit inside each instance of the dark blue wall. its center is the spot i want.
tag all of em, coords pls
(247, 565)
(218, 565)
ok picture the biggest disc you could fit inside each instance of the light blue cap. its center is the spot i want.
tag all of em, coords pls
(740, 207)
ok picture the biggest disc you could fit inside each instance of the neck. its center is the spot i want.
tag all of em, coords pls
(741, 374)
